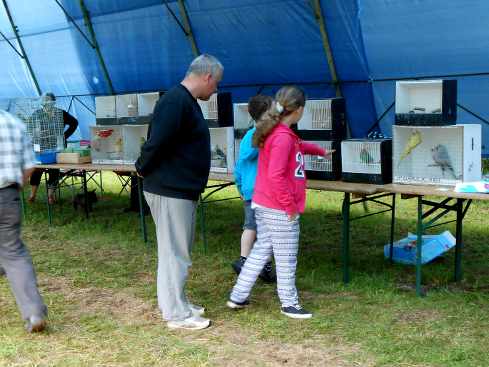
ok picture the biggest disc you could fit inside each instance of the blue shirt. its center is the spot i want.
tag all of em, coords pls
(246, 167)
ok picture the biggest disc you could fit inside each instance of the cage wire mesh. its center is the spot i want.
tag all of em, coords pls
(318, 163)
(44, 123)
(209, 108)
(361, 156)
(317, 115)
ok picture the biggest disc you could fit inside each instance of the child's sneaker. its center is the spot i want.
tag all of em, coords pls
(237, 305)
(267, 274)
(197, 310)
(238, 264)
(190, 323)
(296, 312)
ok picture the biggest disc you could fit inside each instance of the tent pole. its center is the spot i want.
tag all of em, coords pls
(88, 24)
(70, 18)
(16, 32)
(318, 14)
(188, 28)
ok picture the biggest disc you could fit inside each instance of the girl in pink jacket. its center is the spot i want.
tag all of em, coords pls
(278, 199)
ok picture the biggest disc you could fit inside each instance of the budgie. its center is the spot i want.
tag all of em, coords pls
(365, 156)
(414, 140)
(439, 153)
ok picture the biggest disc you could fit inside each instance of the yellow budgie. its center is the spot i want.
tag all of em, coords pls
(414, 140)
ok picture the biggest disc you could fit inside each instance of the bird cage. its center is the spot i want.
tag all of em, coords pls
(436, 155)
(243, 122)
(146, 106)
(242, 118)
(321, 168)
(44, 124)
(426, 102)
(126, 108)
(367, 160)
(117, 144)
(218, 110)
(222, 149)
(326, 117)
(105, 110)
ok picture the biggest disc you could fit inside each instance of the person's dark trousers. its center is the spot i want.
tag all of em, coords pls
(134, 199)
(53, 177)
(15, 258)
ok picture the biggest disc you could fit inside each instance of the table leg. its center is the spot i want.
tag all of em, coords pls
(50, 214)
(141, 210)
(22, 203)
(458, 241)
(393, 219)
(85, 191)
(346, 237)
(419, 246)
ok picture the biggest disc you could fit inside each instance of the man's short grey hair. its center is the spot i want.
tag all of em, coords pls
(204, 64)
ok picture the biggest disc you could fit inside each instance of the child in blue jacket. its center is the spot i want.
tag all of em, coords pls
(245, 175)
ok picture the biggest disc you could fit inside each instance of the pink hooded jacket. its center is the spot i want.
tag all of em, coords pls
(281, 179)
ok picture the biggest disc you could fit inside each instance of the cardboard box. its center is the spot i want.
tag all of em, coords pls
(72, 158)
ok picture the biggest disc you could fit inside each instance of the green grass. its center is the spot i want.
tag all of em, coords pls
(98, 280)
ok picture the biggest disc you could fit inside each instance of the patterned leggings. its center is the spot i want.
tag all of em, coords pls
(277, 235)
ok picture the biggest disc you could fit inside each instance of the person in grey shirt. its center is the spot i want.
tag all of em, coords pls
(16, 165)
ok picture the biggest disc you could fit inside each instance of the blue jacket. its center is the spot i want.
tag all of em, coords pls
(246, 167)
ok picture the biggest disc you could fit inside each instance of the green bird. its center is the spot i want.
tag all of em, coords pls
(365, 156)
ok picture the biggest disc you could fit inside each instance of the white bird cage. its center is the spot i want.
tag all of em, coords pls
(367, 160)
(147, 103)
(44, 125)
(146, 106)
(242, 118)
(117, 144)
(243, 122)
(322, 168)
(105, 110)
(209, 108)
(436, 155)
(222, 149)
(126, 105)
(326, 117)
(218, 110)
(426, 102)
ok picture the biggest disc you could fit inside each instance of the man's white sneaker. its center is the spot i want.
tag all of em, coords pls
(191, 323)
(196, 309)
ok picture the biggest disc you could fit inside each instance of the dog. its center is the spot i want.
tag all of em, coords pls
(79, 200)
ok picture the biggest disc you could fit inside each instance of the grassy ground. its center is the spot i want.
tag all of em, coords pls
(98, 280)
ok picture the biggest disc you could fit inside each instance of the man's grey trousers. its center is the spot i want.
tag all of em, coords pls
(15, 258)
(175, 228)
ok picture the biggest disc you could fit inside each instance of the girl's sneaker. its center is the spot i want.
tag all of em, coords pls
(267, 274)
(296, 312)
(237, 305)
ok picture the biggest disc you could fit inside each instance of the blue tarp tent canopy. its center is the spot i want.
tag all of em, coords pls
(146, 45)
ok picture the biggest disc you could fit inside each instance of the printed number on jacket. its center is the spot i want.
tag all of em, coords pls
(299, 171)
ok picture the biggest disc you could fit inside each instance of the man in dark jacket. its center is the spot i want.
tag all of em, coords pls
(49, 110)
(175, 164)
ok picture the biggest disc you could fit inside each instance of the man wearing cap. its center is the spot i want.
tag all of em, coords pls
(48, 109)
(16, 164)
